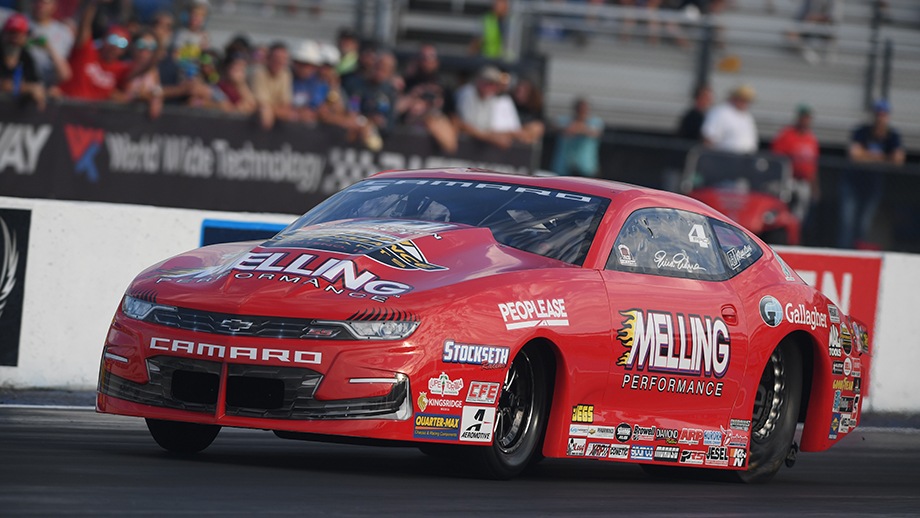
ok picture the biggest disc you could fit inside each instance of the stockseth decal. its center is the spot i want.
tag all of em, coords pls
(21, 145)
(435, 426)
(533, 313)
(810, 317)
(444, 386)
(483, 392)
(259, 354)
(477, 424)
(771, 311)
(488, 356)
(658, 341)
(14, 246)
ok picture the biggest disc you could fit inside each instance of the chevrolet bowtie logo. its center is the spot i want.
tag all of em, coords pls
(235, 325)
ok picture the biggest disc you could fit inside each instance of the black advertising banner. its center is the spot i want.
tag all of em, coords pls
(14, 246)
(203, 160)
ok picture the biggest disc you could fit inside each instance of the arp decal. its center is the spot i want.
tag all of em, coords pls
(771, 311)
(690, 436)
(658, 341)
(524, 314)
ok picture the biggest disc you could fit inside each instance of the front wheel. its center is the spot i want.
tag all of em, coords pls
(520, 419)
(776, 411)
(182, 438)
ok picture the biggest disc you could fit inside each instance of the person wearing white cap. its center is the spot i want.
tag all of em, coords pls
(730, 126)
(308, 89)
(485, 112)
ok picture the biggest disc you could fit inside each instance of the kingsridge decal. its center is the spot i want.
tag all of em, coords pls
(696, 345)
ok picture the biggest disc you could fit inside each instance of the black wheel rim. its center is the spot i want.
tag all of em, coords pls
(515, 407)
(768, 403)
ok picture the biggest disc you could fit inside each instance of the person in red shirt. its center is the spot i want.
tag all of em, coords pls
(798, 142)
(98, 70)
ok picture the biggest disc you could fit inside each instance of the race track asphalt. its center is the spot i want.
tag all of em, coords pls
(69, 461)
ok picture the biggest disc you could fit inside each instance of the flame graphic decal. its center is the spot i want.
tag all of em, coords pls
(627, 333)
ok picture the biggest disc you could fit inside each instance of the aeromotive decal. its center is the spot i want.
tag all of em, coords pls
(533, 313)
(205, 350)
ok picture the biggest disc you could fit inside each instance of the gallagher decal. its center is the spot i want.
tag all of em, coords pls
(658, 341)
(811, 317)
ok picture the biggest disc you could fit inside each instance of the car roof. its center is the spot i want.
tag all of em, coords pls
(618, 191)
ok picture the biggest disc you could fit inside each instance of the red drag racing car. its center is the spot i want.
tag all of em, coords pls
(503, 317)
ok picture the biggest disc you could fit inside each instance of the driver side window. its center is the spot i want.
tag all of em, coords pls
(670, 243)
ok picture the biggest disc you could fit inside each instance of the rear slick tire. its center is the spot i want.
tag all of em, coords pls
(182, 438)
(520, 420)
(776, 412)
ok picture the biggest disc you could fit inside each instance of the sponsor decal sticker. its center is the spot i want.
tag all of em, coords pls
(598, 450)
(809, 317)
(524, 314)
(667, 453)
(643, 433)
(736, 255)
(833, 343)
(857, 368)
(734, 438)
(603, 432)
(698, 235)
(846, 339)
(740, 424)
(483, 392)
(576, 447)
(642, 452)
(717, 456)
(625, 256)
(771, 311)
(835, 425)
(583, 414)
(623, 432)
(712, 438)
(837, 368)
(444, 386)
(738, 456)
(579, 430)
(422, 401)
(690, 436)
(436, 426)
(847, 366)
(488, 356)
(618, 451)
(668, 435)
(843, 384)
(477, 424)
(692, 457)
(657, 341)
(833, 314)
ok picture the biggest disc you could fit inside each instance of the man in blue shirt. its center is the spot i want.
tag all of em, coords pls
(578, 142)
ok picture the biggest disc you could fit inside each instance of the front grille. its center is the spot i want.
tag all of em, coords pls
(244, 325)
(258, 391)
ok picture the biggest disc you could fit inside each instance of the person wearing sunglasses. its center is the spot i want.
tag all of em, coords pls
(144, 83)
(98, 71)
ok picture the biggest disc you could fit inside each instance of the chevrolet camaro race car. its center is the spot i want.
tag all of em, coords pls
(501, 317)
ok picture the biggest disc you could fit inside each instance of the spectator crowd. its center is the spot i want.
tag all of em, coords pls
(102, 50)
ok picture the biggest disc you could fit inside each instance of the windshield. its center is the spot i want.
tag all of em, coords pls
(555, 224)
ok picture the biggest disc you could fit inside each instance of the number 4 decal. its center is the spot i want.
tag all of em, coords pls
(698, 236)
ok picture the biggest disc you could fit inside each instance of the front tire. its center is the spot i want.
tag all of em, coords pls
(520, 420)
(182, 438)
(776, 411)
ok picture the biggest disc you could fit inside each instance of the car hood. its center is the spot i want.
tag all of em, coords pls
(342, 265)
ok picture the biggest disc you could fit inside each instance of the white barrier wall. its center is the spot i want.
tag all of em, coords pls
(82, 256)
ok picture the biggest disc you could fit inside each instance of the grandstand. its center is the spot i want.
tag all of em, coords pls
(635, 85)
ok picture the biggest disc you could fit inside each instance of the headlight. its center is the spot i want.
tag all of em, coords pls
(381, 330)
(139, 309)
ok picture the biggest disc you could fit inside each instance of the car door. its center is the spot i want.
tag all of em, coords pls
(679, 337)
